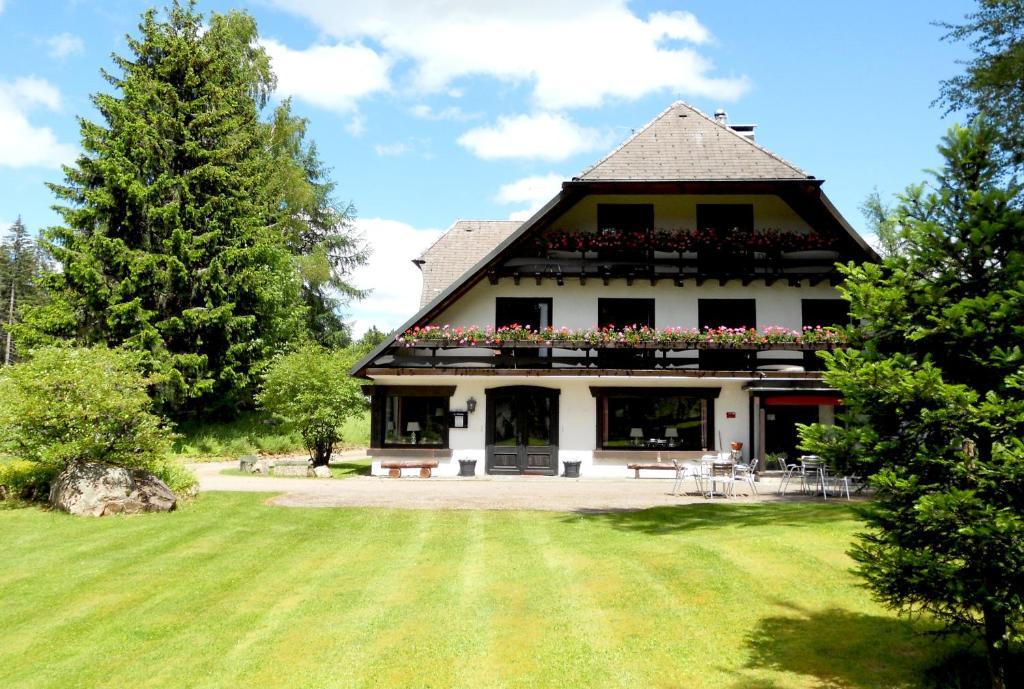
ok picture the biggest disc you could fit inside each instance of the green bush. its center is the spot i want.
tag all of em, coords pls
(312, 390)
(80, 404)
(179, 479)
(24, 479)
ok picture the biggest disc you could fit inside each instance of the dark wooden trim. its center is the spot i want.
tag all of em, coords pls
(410, 452)
(511, 390)
(620, 391)
(378, 397)
(595, 372)
(601, 396)
(411, 390)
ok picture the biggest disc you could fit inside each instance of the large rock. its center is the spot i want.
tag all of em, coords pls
(320, 472)
(96, 490)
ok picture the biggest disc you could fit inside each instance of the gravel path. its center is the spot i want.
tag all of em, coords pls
(494, 493)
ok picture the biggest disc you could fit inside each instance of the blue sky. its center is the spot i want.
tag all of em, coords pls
(437, 110)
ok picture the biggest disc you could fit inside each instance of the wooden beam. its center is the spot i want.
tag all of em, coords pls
(596, 372)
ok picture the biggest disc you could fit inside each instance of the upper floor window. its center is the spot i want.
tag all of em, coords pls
(625, 217)
(725, 216)
(623, 312)
(532, 311)
(825, 312)
(731, 313)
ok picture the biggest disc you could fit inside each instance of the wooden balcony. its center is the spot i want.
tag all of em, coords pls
(654, 266)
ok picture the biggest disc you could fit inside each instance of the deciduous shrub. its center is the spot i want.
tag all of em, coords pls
(80, 404)
(311, 389)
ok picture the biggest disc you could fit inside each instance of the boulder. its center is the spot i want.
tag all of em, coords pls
(320, 472)
(95, 489)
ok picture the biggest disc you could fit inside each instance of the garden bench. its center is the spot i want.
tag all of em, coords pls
(395, 468)
(656, 466)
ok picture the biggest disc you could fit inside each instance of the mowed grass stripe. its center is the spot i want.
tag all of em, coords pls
(231, 592)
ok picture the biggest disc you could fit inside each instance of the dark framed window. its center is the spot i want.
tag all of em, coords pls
(731, 313)
(655, 418)
(532, 311)
(625, 217)
(825, 312)
(623, 312)
(725, 216)
(410, 416)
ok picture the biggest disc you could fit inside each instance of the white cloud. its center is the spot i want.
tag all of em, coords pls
(21, 143)
(395, 281)
(545, 136)
(356, 126)
(64, 44)
(452, 112)
(573, 52)
(393, 149)
(534, 191)
(330, 76)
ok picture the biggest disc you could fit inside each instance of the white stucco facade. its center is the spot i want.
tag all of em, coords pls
(577, 417)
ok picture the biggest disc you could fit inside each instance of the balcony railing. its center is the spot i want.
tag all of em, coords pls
(520, 347)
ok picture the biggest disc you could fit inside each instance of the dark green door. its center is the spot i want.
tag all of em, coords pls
(522, 430)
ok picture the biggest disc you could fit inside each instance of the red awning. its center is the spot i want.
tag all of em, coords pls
(801, 400)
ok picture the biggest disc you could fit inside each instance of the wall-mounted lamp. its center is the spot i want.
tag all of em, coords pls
(471, 405)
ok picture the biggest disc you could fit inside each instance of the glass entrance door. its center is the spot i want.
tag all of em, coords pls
(522, 431)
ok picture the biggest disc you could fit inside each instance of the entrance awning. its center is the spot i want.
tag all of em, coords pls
(829, 400)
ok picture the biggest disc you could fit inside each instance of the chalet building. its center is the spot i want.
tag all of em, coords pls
(667, 302)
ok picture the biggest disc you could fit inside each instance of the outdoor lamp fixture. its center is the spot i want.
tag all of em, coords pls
(471, 405)
(414, 428)
(637, 434)
(672, 434)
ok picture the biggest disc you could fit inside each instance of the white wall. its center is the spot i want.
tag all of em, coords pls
(577, 419)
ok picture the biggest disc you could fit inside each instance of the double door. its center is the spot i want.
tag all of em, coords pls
(522, 430)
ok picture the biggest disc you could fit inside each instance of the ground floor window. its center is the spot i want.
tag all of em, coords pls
(655, 418)
(410, 416)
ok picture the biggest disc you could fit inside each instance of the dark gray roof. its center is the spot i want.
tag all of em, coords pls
(684, 144)
(458, 250)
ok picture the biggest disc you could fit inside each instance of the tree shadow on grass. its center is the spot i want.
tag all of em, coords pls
(841, 649)
(350, 469)
(678, 518)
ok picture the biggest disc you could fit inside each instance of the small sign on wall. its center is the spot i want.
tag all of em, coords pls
(730, 415)
(457, 419)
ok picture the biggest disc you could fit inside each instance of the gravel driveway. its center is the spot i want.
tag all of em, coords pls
(492, 493)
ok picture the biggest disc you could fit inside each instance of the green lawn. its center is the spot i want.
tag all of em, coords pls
(230, 592)
(252, 432)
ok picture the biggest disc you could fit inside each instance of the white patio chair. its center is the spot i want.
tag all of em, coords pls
(720, 473)
(683, 472)
(744, 473)
(812, 470)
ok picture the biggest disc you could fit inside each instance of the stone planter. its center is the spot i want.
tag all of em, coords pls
(572, 469)
(467, 468)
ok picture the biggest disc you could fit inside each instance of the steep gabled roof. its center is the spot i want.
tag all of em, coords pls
(692, 151)
(684, 144)
(458, 250)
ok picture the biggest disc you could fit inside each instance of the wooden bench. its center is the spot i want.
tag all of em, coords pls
(655, 466)
(395, 468)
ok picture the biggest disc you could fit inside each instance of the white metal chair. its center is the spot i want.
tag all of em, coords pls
(744, 473)
(813, 474)
(683, 472)
(720, 473)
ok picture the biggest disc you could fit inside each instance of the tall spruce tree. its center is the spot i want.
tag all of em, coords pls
(169, 243)
(318, 229)
(934, 393)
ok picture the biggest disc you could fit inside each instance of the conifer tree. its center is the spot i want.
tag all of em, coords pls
(318, 229)
(169, 243)
(22, 266)
(934, 392)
